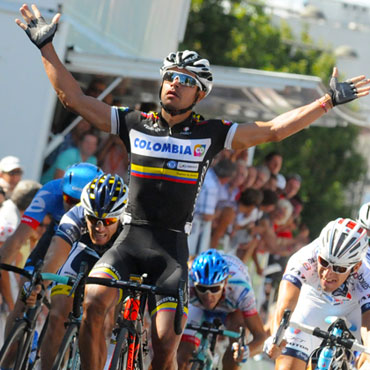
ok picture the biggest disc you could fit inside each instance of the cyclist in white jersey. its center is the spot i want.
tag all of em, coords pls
(170, 153)
(220, 288)
(325, 278)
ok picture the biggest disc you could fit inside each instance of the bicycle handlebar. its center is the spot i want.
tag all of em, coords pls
(136, 286)
(317, 332)
(209, 330)
(44, 275)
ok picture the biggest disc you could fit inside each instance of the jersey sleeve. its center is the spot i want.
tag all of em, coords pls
(301, 266)
(72, 225)
(122, 120)
(44, 202)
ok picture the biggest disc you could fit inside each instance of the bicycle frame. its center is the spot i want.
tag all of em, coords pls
(133, 311)
(205, 354)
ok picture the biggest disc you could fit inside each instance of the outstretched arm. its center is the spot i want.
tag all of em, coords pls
(295, 120)
(66, 87)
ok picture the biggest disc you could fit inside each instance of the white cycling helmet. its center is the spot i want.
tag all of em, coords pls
(343, 242)
(191, 61)
(364, 216)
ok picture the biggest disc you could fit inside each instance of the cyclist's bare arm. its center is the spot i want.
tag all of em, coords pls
(66, 87)
(287, 299)
(255, 325)
(295, 120)
(56, 255)
(12, 245)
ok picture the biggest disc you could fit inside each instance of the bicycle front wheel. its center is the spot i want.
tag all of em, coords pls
(13, 346)
(119, 359)
(68, 356)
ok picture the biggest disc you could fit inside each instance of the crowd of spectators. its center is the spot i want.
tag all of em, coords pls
(252, 212)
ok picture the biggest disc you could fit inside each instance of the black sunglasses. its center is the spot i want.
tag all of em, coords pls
(336, 268)
(211, 288)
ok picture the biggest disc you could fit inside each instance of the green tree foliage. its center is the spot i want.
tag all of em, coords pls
(238, 33)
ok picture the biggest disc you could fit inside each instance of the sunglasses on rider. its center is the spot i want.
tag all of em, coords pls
(70, 200)
(105, 221)
(182, 78)
(336, 268)
(213, 289)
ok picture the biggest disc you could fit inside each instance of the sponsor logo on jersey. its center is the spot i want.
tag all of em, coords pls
(307, 266)
(171, 164)
(160, 173)
(361, 280)
(199, 150)
(227, 123)
(38, 204)
(169, 147)
(188, 166)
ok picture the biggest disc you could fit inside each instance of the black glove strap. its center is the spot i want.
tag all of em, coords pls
(342, 92)
(41, 33)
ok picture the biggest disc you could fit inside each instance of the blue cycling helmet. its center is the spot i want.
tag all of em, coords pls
(209, 268)
(105, 196)
(77, 176)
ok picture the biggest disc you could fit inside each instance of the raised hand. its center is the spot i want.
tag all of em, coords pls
(343, 92)
(38, 31)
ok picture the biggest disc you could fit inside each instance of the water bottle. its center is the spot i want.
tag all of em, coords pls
(326, 356)
(33, 353)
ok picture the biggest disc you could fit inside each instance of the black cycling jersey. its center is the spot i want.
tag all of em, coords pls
(168, 164)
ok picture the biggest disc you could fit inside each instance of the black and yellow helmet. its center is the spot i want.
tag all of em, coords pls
(105, 196)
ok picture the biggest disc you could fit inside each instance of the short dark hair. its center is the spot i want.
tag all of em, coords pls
(269, 197)
(271, 155)
(224, 168)
(251, 197)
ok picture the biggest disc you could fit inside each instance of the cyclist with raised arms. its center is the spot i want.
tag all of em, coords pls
(85, 233)
(170, 153)
(220, 288)
(324, 278)
(53, 199)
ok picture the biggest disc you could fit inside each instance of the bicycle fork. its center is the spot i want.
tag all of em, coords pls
(130, 313)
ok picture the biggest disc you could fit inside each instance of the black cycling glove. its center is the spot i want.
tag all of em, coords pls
(41, 33)
(341, 92)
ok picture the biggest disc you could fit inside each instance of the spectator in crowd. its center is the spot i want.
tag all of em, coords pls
(113, 157)
(10, 216)
(274, 161)
(211, 193)
(2, 196)
(293, 184)
(10, 174)
(263, 175)
(242, 241)
(226, 209)
(85, 152)
(271, 183)
(12, 210)
(251, 178)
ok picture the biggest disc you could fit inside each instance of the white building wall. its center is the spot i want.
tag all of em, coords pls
(144, 28)
(27, 99)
